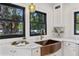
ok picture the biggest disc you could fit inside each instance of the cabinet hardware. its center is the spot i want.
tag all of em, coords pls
(12, 51)
(37, 51)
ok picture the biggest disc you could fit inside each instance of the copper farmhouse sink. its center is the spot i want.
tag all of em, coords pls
(46, 42)
(49, 46)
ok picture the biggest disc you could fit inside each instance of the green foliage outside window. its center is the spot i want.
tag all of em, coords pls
(37, 22)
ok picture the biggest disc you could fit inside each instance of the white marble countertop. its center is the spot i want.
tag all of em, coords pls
(34, 45)
(66, 40)
(28, 46)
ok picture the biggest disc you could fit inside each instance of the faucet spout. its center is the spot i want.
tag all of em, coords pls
(42, 33)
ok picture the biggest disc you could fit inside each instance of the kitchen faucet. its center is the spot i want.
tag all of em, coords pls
(42, 33)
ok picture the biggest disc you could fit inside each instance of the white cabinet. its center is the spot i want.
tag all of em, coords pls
(36, 51)
(58, 53)
(19, 51)
(77, 49)
(5, 51)
(14, 51)
(70, 49)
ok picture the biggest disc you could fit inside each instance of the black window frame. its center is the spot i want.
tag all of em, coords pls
(45, 23)
(15, 35)
(75, 22)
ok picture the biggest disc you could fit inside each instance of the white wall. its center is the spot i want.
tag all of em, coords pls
(44, 7)
(68, 10)
(68, 17)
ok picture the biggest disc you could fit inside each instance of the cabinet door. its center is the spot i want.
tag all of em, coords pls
(13, 51)
(4, 51)
(36, 51)
(77, 49)
(69, 49)
(20, 52)
(7, 51)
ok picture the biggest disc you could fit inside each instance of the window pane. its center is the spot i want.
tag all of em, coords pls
(77, 18)
(37, 17)
(35, 28)
(10, 28)
(42, 19)
(37, 23)
(77, 28)
(11, 13)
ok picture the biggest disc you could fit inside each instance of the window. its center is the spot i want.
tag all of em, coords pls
(12, 22)
(76, 23)
(38, 23)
